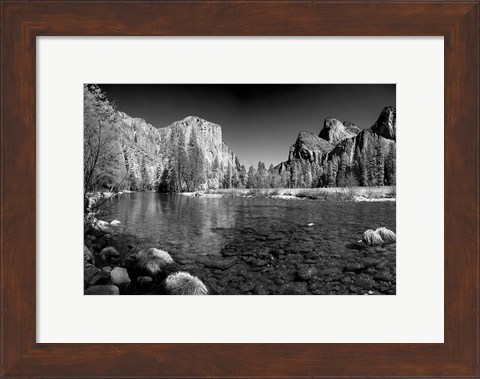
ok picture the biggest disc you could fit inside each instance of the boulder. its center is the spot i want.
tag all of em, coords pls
(387, 235)
(144, 282)
(102, 290)
(182, 283)
(105, 229)
(115, 223)
(150, 261)
(119, 276)
(101, 277)
(372, 237)
(87, 256)
(89, 271)
(110, 254)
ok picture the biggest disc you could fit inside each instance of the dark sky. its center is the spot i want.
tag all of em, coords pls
(259, 121)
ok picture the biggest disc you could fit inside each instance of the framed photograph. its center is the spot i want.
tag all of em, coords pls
(311, 169)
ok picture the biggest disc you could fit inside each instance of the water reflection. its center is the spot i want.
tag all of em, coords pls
(198, 225)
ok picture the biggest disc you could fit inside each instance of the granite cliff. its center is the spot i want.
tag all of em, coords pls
(343, 154)
(148, 152)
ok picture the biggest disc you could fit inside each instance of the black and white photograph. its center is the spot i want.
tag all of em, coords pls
(239, 189)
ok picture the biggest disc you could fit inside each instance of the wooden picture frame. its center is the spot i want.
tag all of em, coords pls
(23, 21)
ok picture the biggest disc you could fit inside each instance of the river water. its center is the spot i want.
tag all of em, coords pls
(264, 245)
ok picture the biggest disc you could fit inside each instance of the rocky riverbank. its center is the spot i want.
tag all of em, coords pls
(148, 271)
(116, 263)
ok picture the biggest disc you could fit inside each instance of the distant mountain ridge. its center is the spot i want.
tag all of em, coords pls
(343, 154)
(340, 155)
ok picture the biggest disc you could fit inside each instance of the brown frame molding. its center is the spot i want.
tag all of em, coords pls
(23, 21)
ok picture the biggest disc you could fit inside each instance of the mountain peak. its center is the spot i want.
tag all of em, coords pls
(334, 131)
(386, 124)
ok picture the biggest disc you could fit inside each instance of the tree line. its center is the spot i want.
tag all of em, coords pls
(114, 162)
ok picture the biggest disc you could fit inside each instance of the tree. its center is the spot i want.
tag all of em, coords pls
(227, 178)
(235, 178)
(251, 178)
(308, 179)
(242, 176)
(391, 166)
(293, 175)
(214, 180)
(379, 166)
(332, 171)
(196, 165)
(103, 163)
(158, 177)
(144, 174)
(262, 176)
(284, 179)
(273, 180)
(343, 169)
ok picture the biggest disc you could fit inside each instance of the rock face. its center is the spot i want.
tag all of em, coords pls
(209, 138)
(334, 131)
(386, 124)
(343, 155)
(147, 150)
(309, 147)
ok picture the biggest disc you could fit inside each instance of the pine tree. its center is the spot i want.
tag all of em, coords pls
(261, 177)
(242, 176)
(391, 166)
(215, 173)
(308, 179)
(182, 161)
(227, 178)
(196, 164)
(293, 175)
(251, 178)
(379, 166)
(284, 179)
(342, 170)
(144, 181)
(158, 177)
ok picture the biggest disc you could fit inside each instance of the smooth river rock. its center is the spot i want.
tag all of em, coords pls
(102, 290)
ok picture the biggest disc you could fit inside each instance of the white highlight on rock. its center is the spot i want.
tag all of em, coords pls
(182, 283)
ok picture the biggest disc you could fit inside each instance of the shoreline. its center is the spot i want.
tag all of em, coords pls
(356, 194)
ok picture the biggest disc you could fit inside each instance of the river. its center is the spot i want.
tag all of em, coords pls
(263, 245)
